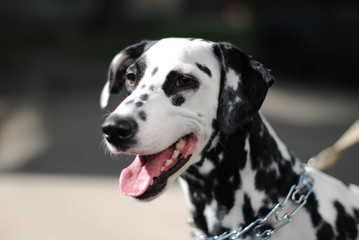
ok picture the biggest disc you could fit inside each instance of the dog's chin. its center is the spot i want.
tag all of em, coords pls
(150, 175)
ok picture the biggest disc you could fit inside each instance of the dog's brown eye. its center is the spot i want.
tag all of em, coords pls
(131, 77)
(185, 81)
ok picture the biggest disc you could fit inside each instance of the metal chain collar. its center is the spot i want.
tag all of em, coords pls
(298, 194)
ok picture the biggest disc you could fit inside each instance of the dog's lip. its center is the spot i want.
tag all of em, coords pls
(147, 175)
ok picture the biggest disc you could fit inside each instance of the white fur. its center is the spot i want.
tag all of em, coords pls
(232, 80)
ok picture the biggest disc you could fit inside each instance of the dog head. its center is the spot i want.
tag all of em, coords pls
(177, 89)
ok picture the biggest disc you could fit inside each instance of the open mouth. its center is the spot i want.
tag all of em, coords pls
(148, 174)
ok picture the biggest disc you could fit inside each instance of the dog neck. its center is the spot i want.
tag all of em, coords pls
(232, 184)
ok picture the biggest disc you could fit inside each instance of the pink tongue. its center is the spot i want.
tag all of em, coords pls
(136, 178)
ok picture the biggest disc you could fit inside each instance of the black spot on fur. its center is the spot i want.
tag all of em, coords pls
(130, 101)
(142, 115)
(204, 69)
(325, 232)
(152, 88)
(312, 208)
(356, 213)
(346, 184)
(155, 70)
(215, 124)
(139, 104)
(137, 49)
(170, 86)
(178, 100)
(264, 210)
(198, 198)
(143, 86)
(248, 212)
(346, 224)
(144, 97)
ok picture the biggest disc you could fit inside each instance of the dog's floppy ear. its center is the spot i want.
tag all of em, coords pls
(244, 85)
(117, 72)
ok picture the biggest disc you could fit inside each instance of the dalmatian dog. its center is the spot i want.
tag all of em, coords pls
(192, 113)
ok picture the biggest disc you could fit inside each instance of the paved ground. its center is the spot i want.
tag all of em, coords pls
(48, 207)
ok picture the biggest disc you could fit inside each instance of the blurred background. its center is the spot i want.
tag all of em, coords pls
(57, 182)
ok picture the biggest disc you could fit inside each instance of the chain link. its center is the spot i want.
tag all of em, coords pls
(298, 194)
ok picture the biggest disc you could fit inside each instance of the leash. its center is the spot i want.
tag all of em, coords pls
(298, 193)
(330, 155)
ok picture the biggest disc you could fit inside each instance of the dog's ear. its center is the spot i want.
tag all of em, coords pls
(244, 85)
(117, 72)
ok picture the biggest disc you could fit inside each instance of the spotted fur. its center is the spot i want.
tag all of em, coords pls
(240, 168)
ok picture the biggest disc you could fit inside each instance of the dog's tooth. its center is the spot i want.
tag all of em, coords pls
(162, 169)
(180, 144)
(175, 154)
(151, 182)
(168, 162)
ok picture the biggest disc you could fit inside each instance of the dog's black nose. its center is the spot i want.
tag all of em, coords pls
(118, 130)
